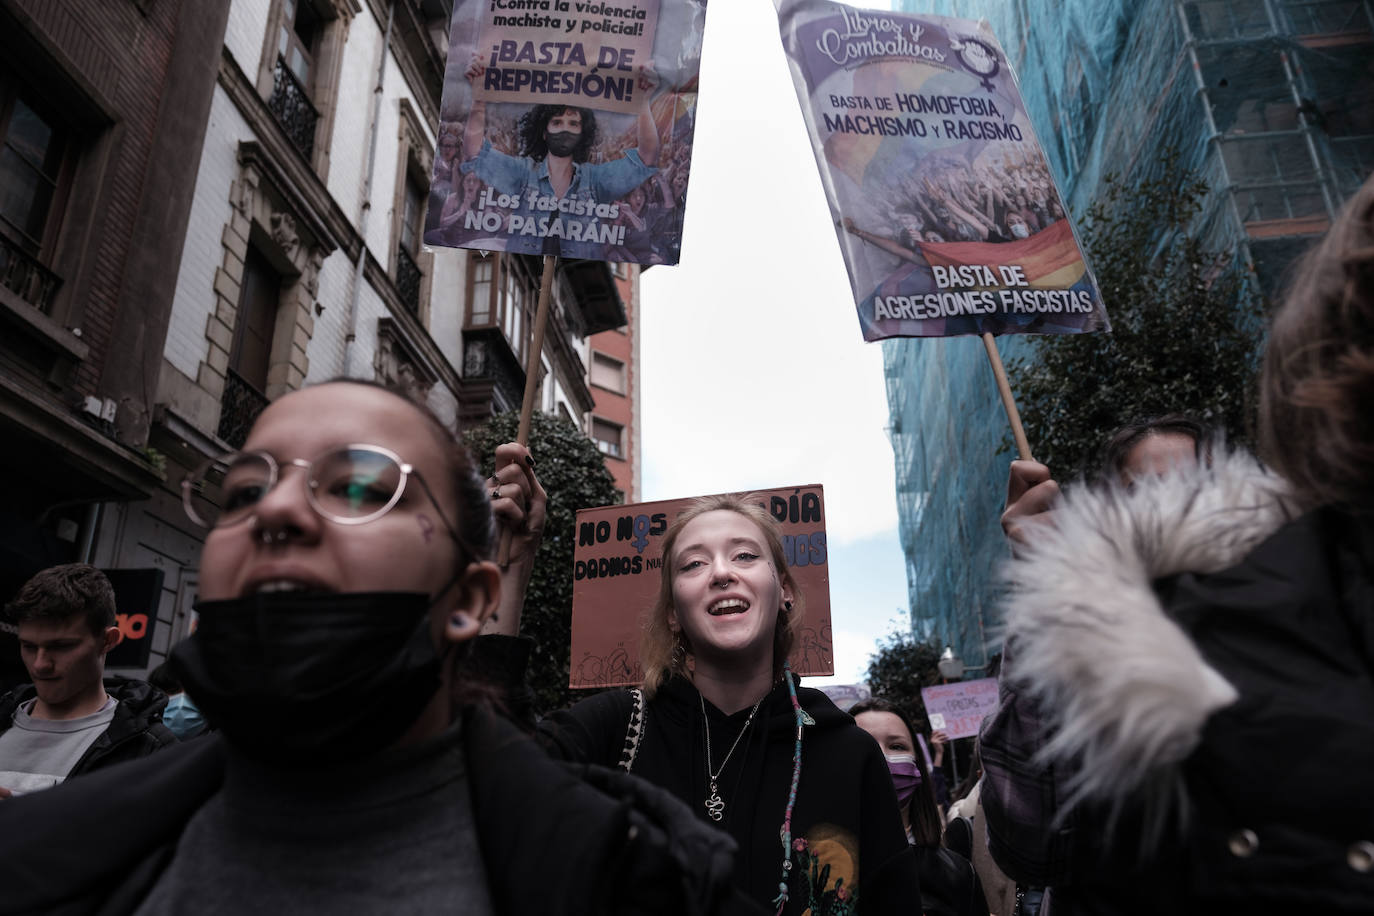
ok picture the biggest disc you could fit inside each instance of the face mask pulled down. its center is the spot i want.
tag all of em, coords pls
(293, 678)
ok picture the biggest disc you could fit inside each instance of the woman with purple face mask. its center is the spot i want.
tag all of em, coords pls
(949, 886)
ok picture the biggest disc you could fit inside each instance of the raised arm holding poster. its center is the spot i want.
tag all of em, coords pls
(617, 568)
(947, 215)
(566, 128)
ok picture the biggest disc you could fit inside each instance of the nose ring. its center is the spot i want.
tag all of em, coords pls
(272, 537)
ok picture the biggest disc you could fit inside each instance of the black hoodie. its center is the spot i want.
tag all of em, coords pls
(846, 829)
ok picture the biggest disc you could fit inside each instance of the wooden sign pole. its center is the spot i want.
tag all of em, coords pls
(1018, 432)
(532, 365)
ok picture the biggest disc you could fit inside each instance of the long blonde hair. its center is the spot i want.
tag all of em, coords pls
(658, 648)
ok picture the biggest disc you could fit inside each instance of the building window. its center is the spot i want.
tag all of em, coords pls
(35, 168)
(300, 70)
(503, 293)
(412, 214)
(512, 308)
(409, 276)
(298, 38)
(608, 372)
(609, 437)
(413, 164)
(250, 354)
(480, 268)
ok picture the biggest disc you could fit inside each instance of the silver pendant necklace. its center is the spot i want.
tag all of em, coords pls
(715, 805)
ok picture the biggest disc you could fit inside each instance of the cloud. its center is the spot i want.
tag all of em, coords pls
(755, 373)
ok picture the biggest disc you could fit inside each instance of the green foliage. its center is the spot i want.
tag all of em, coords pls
(574, 475)
(156, 459)
(900, 668)
(1185, 330)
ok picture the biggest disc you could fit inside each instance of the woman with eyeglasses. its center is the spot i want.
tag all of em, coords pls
(345, 571)
(722, 723)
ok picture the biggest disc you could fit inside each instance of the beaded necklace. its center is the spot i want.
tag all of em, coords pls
(785, 832)
(714, 805)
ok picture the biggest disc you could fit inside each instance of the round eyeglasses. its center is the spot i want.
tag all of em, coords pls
(348, 485)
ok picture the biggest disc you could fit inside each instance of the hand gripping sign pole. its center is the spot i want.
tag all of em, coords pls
(532, 364)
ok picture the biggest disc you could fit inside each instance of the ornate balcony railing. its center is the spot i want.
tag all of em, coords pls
(238, 409)
(22, 275)
(408, 277)
(290, 104)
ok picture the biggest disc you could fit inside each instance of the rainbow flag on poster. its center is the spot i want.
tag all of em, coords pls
(947, 215)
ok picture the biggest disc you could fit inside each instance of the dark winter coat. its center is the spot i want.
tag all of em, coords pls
(135, 731)
(847, 832)
(1203, 659)
(97, 845)
(949, 885)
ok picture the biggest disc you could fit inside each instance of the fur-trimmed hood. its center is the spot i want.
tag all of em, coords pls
(1123, 689)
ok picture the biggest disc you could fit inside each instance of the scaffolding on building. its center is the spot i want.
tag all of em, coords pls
(1271, 102)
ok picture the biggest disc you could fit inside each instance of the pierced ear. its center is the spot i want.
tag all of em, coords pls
(478, 593)
(113, 637)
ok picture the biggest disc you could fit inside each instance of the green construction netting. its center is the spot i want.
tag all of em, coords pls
(1271, 101)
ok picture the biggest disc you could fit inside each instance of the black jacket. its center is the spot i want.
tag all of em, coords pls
(135, 731)
(556, 839)
(949, 885)
(845, 827)
(1205, 660)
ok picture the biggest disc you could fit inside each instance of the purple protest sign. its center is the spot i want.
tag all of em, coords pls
(947, 214)
(958, 709)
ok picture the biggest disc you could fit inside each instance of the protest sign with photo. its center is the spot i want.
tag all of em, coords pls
(566, 128)
(947, 215)
(959, 709)
(618, 563)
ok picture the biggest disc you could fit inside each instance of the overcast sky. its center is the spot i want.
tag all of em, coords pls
(754, 371)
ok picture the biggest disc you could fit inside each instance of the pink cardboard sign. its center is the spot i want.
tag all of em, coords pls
(959, 709)
(618, 563)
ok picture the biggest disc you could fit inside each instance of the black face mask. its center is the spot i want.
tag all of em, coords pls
(561, 142)
(293, 678)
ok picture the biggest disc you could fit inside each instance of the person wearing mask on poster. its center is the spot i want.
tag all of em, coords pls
(71, 720)
(1166, 634)
(552, 163)
(721, 722)
(354, 767)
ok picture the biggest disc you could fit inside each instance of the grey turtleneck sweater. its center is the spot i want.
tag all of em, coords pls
(393, 833)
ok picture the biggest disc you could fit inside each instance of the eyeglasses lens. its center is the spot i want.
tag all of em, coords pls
(351, 484)
(227, 489)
